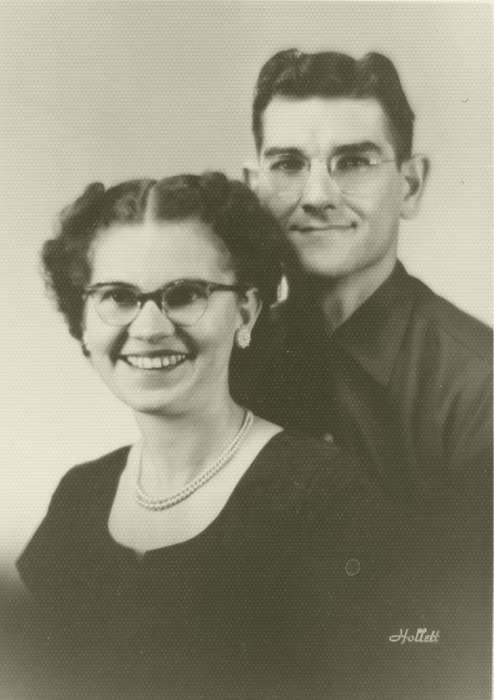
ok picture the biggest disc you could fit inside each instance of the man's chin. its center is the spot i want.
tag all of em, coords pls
(325, 270)
(322, 259)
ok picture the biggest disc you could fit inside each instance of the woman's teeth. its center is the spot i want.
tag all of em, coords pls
(143, 362)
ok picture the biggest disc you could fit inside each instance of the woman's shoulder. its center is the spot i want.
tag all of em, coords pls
(316, 461)
(93, 470)
(296, 445)
(79, 484)
(77, 492)
(342, 514)
(331, 487)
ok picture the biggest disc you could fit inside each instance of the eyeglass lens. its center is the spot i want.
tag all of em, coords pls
(183, 303)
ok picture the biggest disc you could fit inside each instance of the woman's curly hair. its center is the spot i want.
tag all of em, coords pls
(250, 232)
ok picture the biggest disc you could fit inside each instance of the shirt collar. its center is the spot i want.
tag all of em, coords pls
(374, 333)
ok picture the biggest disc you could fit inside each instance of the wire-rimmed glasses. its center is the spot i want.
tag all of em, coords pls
(353, 172)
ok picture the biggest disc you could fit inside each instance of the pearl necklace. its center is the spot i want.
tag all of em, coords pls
(150, 503)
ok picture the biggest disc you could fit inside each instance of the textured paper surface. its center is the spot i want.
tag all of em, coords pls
(112, 90)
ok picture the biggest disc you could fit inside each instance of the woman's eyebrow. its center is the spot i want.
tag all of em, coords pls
(112, 283)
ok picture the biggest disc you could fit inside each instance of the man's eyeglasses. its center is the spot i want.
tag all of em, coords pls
(354, 173)
(183, 301)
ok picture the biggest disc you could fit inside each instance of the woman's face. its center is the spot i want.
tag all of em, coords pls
(194, 375)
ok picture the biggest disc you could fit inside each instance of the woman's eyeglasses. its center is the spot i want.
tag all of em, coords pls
(183, 301)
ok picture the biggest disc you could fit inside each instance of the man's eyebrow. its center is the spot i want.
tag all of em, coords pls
(357, 148)
(338, 150)
(282, 150)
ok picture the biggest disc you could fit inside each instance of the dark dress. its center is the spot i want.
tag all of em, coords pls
(291, 592)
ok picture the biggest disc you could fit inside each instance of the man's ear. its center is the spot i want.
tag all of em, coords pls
(85, 350)
(250, 172)
(414, 172)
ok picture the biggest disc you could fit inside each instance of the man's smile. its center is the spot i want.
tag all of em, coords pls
(322, 228)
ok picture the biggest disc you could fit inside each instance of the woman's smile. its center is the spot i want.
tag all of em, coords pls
(156, 360)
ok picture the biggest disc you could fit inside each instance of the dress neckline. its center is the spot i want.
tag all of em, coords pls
(259, 471)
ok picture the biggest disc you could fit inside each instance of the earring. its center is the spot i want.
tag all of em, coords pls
(242, 337)
(85, 349)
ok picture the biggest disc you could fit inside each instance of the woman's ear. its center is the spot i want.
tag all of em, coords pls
(250, 306)
(414, 173)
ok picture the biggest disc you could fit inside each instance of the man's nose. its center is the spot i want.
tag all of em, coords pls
(320, 190)
(151, 323)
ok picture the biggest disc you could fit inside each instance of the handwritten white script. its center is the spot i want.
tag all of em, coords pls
(421, 635)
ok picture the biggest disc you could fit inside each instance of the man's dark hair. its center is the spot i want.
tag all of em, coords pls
(250, 233)
(294, 74)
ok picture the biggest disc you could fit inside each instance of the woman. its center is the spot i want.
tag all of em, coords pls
(220, 556)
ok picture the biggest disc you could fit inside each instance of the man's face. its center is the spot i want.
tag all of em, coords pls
(342, 224)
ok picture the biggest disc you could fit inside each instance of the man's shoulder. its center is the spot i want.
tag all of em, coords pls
(466, 336)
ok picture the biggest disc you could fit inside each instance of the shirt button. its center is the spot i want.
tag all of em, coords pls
(328, 437)
(352, 567)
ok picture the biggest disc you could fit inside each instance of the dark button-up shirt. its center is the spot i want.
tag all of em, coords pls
(404, 385)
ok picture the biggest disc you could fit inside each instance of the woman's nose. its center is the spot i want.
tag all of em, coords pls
(320, 190)
(151, 323)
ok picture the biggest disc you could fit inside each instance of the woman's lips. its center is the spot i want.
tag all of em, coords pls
(155, 360)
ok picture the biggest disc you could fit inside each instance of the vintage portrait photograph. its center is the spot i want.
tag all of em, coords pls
(247, 313)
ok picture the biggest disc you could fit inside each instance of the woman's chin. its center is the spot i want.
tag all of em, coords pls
(153, 390)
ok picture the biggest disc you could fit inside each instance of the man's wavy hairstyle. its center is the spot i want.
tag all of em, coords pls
(294, 74)
(249, 232)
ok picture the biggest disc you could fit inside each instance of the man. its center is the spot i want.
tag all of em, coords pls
(361, 352)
